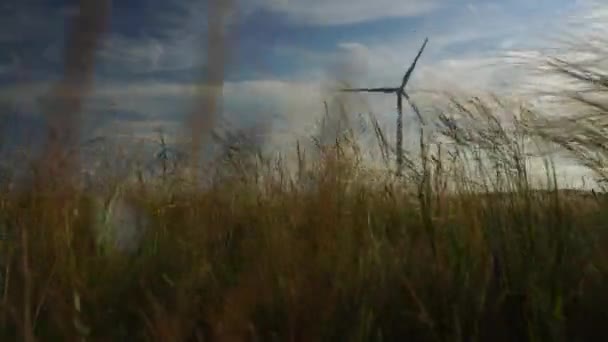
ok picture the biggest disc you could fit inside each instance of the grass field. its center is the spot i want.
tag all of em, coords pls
(476, 241)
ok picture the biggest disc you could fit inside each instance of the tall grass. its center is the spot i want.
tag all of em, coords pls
(469, 244)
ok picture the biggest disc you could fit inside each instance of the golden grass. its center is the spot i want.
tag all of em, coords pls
(444, 255)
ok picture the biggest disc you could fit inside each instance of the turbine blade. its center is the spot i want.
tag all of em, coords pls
(407, 75)
(414, 107)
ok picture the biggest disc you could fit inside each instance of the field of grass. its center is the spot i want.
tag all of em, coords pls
(469, 244)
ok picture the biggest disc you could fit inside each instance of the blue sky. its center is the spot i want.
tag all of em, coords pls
(284, 56)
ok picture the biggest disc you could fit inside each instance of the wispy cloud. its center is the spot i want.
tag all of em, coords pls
(163, 39)
(340, 12)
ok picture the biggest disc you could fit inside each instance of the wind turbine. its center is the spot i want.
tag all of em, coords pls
(401, 93)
